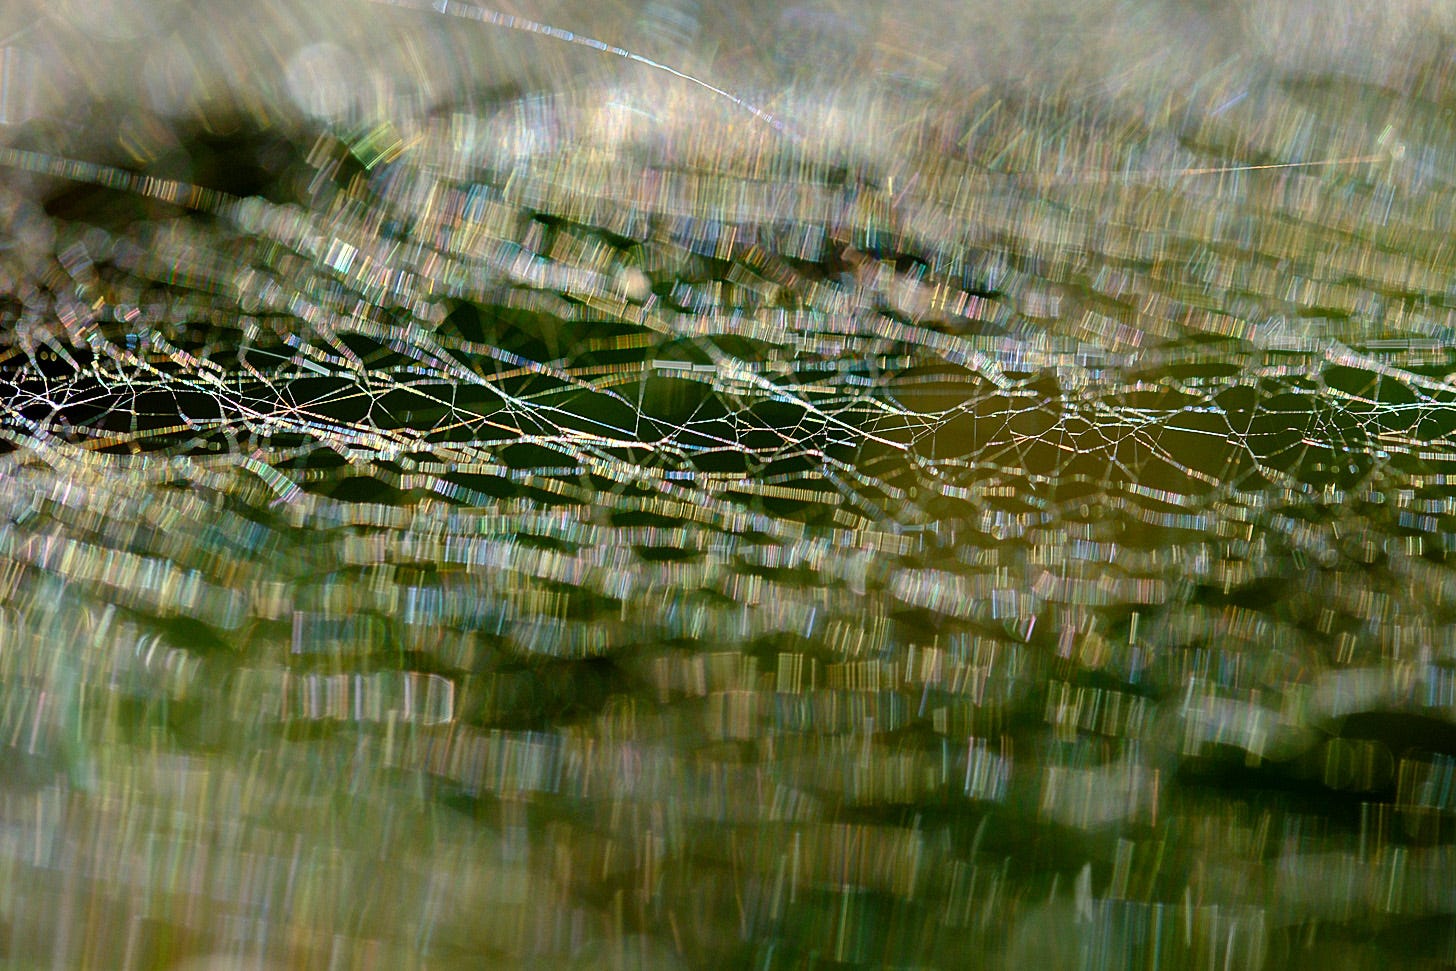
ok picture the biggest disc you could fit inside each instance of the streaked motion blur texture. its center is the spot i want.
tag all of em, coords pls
(677, 484)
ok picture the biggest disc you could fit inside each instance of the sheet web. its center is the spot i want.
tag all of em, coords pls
(805, 492)
(560, 333)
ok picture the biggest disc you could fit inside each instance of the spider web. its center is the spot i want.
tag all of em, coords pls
(604, 320)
